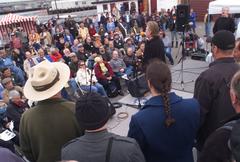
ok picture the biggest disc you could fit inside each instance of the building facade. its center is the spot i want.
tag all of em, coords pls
(199, 6)
(152, 6)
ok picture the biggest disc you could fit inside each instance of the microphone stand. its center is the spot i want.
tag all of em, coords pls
(182, 82)
(91, 77)
(135, 75)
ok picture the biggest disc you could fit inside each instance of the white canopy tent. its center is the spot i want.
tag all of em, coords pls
(215, 7)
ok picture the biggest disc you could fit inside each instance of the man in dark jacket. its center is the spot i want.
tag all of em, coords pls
(16, 108)
(173, 29)
(154, 47)
(224, 22)
(212, 86)
(216, 147)
(82, 53)
(98, 144)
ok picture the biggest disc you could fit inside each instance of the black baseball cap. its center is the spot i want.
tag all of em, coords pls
(224, 40)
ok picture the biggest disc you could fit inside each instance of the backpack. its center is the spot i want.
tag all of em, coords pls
(234, 140)
(112, 90)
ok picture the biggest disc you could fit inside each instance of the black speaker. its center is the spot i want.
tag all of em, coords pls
(182, 16)
(137, 87)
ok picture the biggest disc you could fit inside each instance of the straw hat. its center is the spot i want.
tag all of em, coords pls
(45, 80)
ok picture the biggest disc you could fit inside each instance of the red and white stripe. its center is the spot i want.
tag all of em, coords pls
(26, 22)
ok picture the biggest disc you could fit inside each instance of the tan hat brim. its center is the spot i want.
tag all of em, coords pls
(64, 74)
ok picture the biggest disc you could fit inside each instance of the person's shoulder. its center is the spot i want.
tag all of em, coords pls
(191, 101)
(207, 73)
(71, 144)
(123, 139)
(219, 136)
(126, 142)
(68, 104)
(191, 105)
(30, 113)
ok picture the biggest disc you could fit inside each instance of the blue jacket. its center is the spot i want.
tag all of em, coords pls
(110, 26)
(69, 40)
(162, 144)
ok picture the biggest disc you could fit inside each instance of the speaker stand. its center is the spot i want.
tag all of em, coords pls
(182, 82)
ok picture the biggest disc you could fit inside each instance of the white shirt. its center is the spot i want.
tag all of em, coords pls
(84, 75)
(238, 31)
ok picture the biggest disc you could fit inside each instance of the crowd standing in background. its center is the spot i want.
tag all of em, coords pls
(57, 62)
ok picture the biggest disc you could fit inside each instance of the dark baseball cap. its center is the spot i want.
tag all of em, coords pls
(224, 40)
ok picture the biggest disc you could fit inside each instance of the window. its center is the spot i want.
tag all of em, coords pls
(105, 7)
(125, 6)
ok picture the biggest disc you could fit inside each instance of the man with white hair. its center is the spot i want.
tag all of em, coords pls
(16, 108)
(225, 22)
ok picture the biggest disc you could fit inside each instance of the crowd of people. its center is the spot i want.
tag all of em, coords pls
(44, 73)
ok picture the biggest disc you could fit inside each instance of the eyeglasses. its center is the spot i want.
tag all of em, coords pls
(82, 65)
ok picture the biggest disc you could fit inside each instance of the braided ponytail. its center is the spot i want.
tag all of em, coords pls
(161, 81)
(169, 121)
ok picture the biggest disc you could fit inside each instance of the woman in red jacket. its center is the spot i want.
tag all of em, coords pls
(105, 75)
(92, 30)
(55, 55)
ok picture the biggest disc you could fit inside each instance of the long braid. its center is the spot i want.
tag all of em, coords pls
(169, 121)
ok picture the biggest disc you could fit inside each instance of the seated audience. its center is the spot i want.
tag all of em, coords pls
(16, 107)
(118, 66)
(86, 82)
(6, 124)
(29, 62)
(73, 65)
(16, 78)
(102, 52)
(8, 85)
(130, 60)
(105, 76)
(81, 53)
(43, 56)
(55, 55)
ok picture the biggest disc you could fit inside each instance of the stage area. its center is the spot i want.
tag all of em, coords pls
(191, 70)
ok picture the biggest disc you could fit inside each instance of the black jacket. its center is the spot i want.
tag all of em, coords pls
(172, 25)
(14, 113)
(216, 148)
(212, 92)
(224, 23)
(154, 49)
